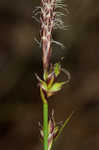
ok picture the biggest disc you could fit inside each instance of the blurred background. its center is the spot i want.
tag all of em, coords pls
(20, 58)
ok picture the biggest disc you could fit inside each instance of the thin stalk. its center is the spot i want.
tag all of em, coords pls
(45, 125)
(45, 120)
(63, 126)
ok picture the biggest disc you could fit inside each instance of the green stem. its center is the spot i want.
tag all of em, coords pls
(45, 119)
(45, 125)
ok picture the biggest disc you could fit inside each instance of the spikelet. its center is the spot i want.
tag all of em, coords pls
(49, 15)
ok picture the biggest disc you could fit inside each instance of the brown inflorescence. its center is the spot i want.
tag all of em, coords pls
(47, 19)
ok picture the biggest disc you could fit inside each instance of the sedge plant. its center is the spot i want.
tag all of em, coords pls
(50, 19)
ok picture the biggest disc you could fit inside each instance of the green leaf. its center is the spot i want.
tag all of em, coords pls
(56, 87)
(64, 124)
(57, 68)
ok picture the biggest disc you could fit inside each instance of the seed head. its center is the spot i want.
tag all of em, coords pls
(50, 18)
(47, 19)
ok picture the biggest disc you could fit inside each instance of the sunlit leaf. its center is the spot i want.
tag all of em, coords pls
(56, 86)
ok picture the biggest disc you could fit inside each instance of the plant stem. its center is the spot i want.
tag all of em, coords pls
(45, 125)
(45, 119)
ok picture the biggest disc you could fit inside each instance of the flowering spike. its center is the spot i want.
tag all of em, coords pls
(50, 19)
(47, 22)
